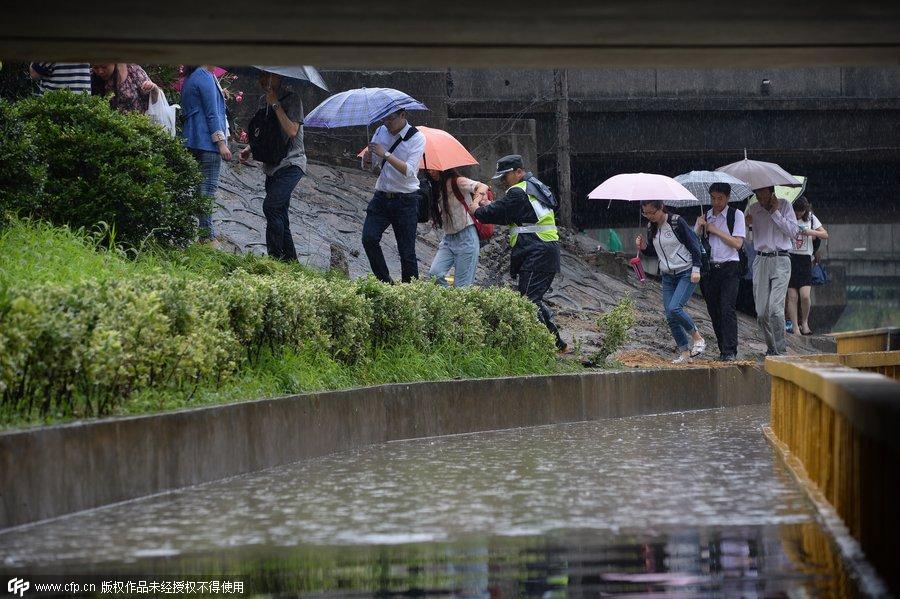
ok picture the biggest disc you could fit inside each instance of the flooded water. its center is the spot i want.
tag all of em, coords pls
(688, 503)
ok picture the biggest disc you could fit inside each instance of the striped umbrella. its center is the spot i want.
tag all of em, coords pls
(698, 182)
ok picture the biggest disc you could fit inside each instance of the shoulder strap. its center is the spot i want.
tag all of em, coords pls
(458, 193)
(412, 131)
(729, 219)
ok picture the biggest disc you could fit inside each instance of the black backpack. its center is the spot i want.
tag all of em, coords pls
(729, 221)
(266, 137)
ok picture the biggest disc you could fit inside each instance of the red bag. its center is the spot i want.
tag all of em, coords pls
(485, 231)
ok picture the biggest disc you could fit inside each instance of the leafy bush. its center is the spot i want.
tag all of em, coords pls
(164, 325)
(22, 170)
(614, 325)
(103, 166)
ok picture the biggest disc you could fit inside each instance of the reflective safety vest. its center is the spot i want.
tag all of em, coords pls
(545, 227)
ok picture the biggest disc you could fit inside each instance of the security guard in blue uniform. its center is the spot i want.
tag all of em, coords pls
(527, 207)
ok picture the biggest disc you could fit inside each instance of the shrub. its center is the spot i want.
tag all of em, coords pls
(509, 321)
(103, 166)
(153, 328)
(398, 317)
(23, 174)
(614, 325)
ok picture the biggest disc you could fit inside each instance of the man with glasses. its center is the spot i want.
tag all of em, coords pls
(396, 150)
(774, 229)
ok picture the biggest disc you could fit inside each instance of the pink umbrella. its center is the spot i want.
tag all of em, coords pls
(442, 151)
(638, 187)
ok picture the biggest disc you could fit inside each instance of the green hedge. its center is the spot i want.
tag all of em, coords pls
(83, 345)
(71, 160)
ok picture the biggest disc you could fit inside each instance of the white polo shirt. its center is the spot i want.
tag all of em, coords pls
(391, 180)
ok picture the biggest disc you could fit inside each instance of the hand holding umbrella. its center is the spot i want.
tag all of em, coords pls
(641, 187)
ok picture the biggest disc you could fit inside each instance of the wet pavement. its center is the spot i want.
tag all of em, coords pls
(691, 502)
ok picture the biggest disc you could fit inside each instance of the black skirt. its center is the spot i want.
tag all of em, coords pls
(801, 271)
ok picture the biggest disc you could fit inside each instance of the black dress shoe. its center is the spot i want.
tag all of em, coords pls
(729, 358)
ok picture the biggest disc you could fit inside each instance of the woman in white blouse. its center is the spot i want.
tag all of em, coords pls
(801, 253)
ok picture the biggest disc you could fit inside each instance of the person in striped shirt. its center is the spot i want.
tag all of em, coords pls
(73, 76)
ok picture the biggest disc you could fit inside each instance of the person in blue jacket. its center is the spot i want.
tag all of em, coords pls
(674, 243)
(205, 124)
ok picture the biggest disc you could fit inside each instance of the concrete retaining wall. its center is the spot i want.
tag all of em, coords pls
(51, 471)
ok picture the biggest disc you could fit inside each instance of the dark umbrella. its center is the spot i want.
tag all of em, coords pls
(298, 73)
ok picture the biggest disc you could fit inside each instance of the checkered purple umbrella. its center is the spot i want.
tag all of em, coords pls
(363, 106)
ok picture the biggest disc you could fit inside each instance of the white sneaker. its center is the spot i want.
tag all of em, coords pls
(682, 359)
(698, 348)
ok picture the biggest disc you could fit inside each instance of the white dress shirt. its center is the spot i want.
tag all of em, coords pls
(773, 231)
(391, 180)
(719, 250)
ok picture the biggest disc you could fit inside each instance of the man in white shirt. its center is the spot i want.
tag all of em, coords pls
(396, 149)
(720, 286)
(774, 229)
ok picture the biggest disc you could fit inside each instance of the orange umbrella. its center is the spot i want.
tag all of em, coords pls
(442, 151)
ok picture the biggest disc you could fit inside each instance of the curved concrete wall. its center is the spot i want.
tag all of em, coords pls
(51, 471)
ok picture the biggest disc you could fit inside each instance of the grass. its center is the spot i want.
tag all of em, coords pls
(35, 253)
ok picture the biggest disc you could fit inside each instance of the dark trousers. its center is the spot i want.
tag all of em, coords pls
(399, 211)
(720, 290)
(533, 285)
(279, 187)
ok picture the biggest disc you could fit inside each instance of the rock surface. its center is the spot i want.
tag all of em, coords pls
(327, 213)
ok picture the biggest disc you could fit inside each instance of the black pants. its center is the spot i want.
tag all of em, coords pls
(399, 212)
(720, 290)
(279, 187)
(533, 285)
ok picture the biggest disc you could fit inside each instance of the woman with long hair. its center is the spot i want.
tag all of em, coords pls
(129, 85)
(454, 197)
(801, 254)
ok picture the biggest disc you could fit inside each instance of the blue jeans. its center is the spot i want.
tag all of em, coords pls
(400, 212)
(676, 291)
(210, 166)
(460, 251)
(279, 187)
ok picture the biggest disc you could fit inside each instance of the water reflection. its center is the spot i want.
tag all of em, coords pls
(686, 503)
(745, 561)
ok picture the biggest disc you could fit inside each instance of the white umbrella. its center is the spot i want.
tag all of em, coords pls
(758, 174)
(698, 182)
